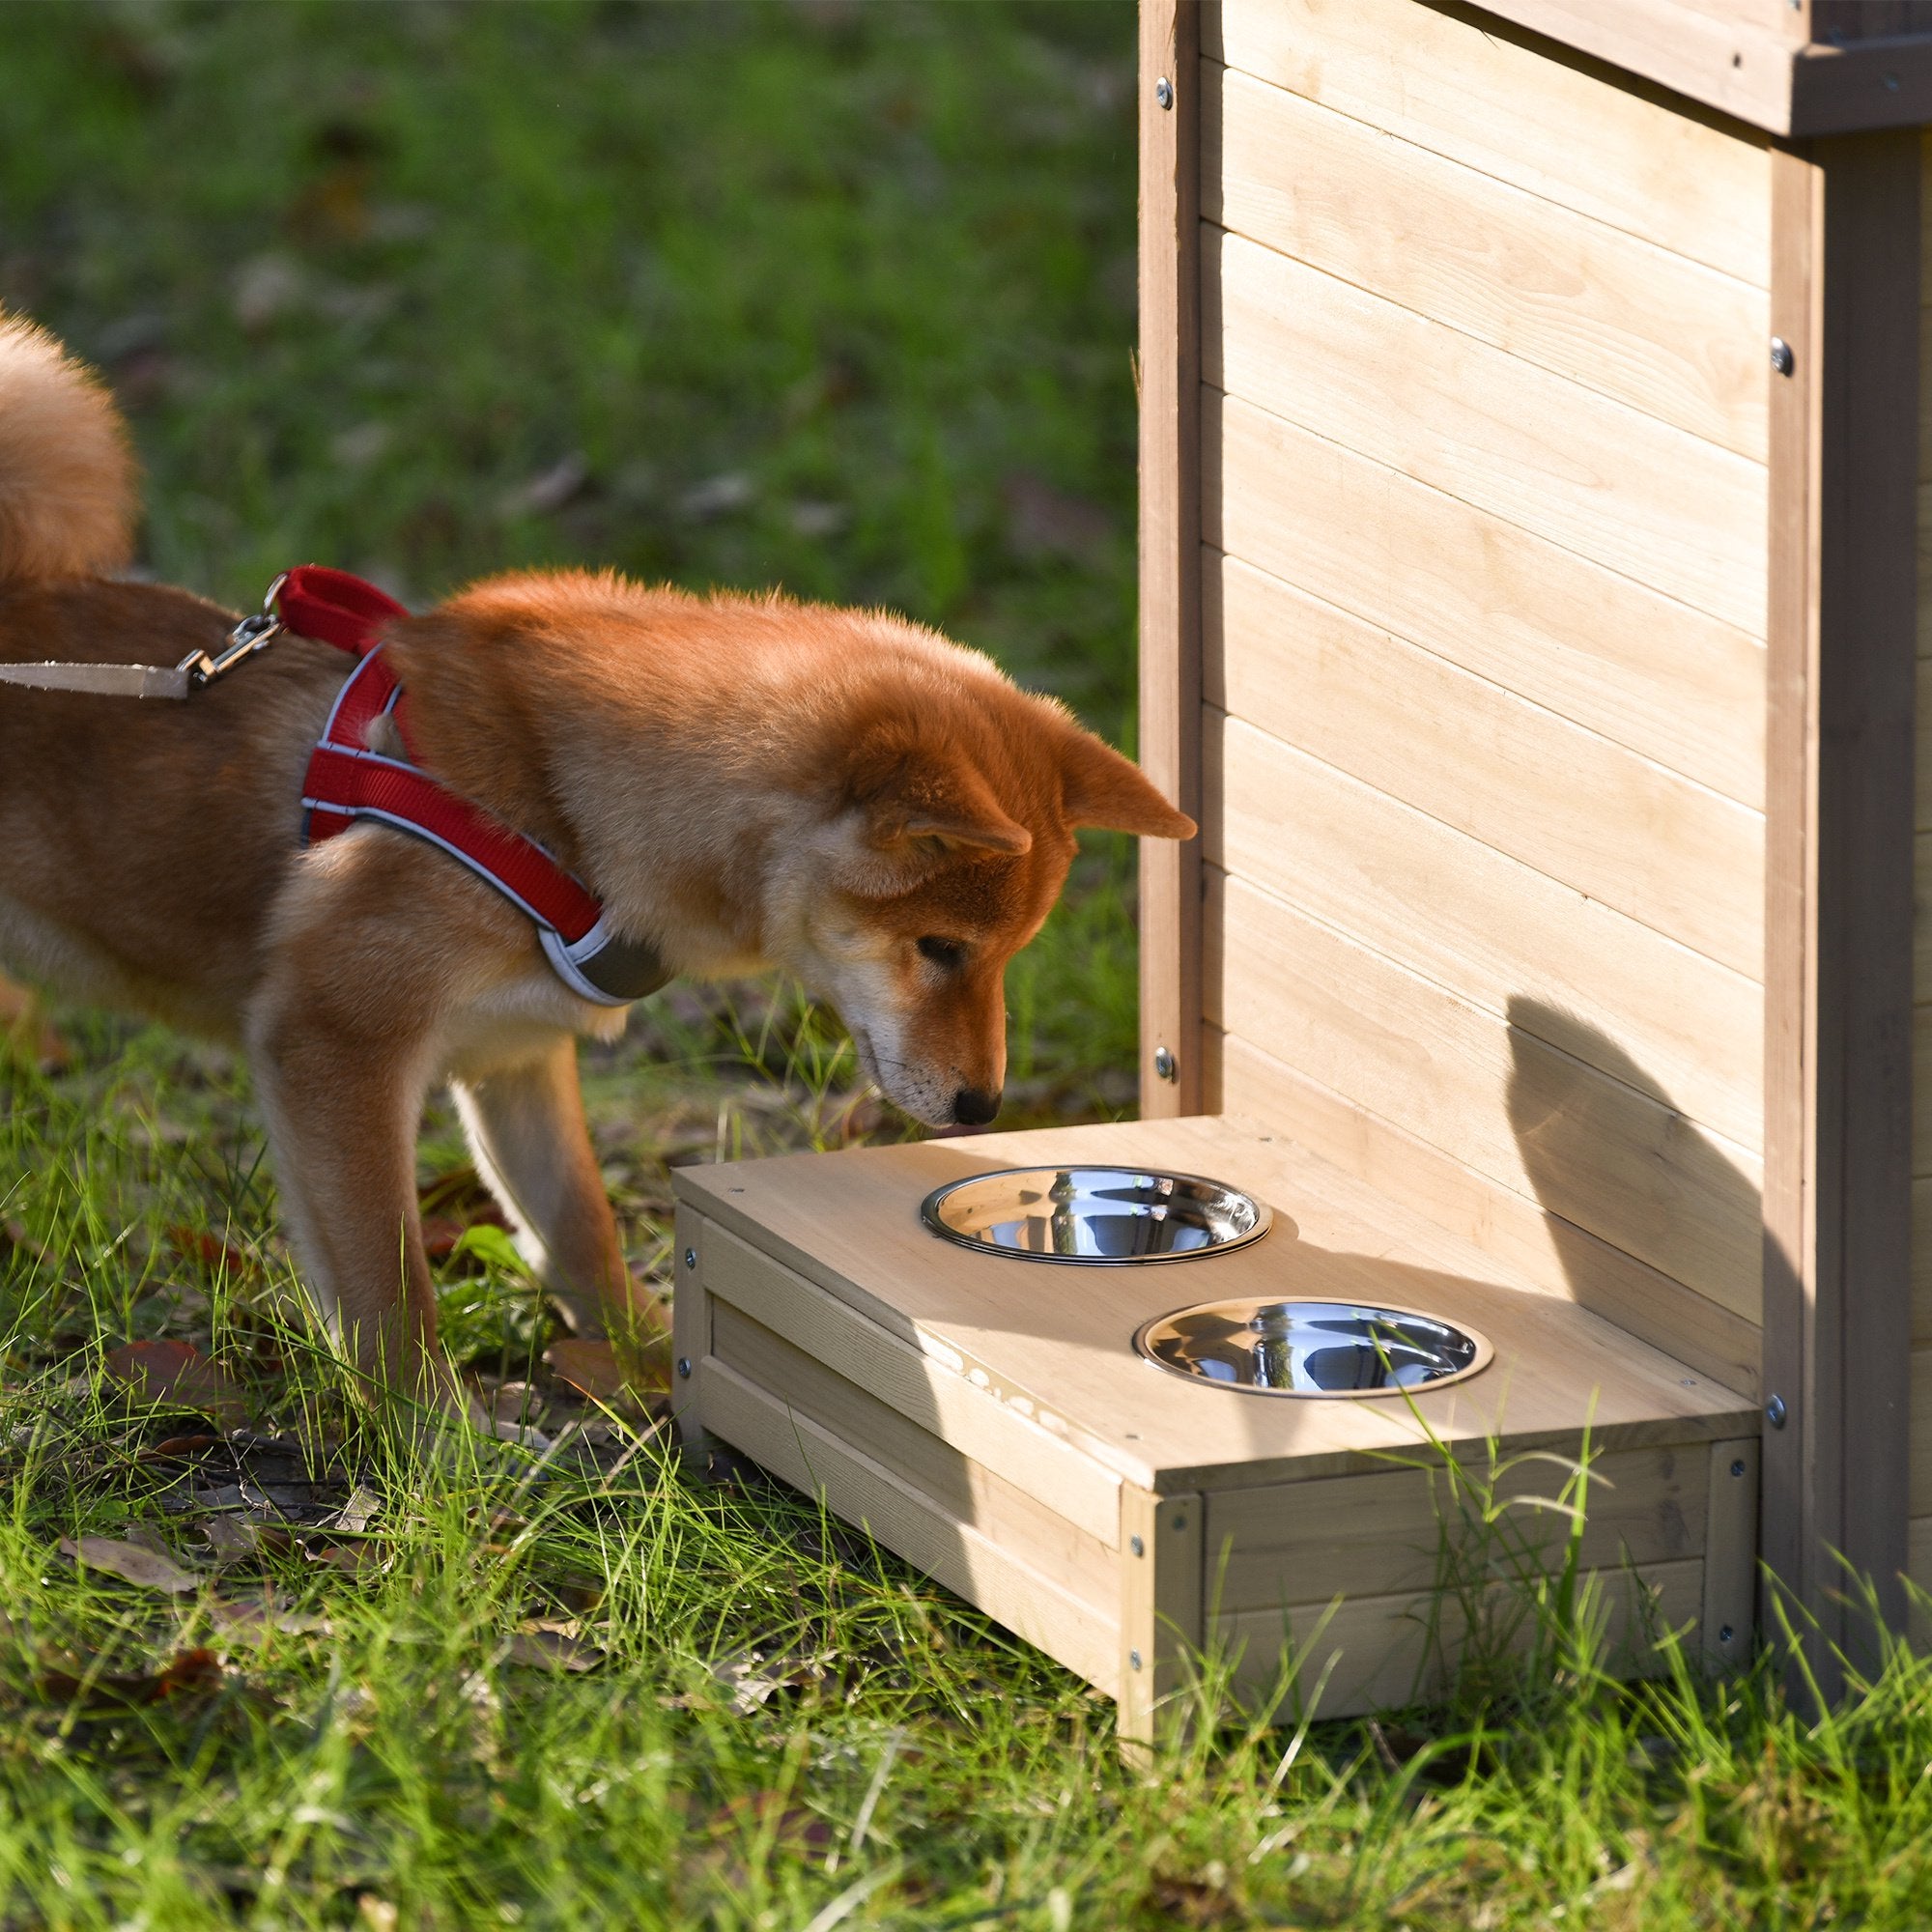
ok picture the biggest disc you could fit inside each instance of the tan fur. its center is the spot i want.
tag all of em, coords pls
(744, 781)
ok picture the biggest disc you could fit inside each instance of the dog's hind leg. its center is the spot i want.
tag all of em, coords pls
(532, 1146)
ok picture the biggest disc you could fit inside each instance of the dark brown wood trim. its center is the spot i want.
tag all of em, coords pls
(1839, 832)
(1874, 83)
(1169, 547)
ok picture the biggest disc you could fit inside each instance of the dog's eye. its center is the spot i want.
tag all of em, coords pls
(947, 953)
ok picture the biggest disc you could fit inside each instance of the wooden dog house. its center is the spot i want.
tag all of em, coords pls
(1530, 483)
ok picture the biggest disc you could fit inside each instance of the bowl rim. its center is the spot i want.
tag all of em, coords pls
(1485, 1350)
(929, 1215)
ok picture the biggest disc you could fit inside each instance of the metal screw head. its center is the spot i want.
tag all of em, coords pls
(1137, 1546)
(1781, 357)
(1133, 1660)
(1725, 1635)
(1163, 92)
(684, 1367)
(1178, 1522)
(1164, 1063)
(690, 1258)
(1738, 1467)
(1775, 1412)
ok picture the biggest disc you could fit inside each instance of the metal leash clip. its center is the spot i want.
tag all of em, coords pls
(249, 636)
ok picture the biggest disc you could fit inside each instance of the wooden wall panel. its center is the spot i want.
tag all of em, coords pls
(1920, 1563)
(1448, 83)
(1615, 313)
(1599, 649)
(1586, 1146)
(1671, 510)
(1472, 754)
(1611, 991)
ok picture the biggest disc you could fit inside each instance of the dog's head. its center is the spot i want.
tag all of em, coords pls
(947, 840)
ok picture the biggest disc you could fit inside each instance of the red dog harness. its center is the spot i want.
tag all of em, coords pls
(347, 780)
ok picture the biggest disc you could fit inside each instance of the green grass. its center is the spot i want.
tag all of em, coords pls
(833, 294)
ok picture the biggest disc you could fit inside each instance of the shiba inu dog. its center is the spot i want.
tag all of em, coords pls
(741, 782)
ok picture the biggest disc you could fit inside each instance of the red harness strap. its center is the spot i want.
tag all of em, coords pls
(347, 780)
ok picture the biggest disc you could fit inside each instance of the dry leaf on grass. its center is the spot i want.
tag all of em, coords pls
(256, 1616)
(206, 1250)
(132, 1563)
(189, 1673)
(357, 1513)
(179, 1373)
(550, 1650)
(754, 1678)
(236, 1538)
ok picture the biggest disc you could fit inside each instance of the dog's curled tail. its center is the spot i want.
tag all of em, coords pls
(66, 477)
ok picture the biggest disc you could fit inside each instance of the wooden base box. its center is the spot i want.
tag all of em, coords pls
(987, 1418)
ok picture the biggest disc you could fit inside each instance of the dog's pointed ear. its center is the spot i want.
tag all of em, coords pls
(945, 804)
(1102, 788)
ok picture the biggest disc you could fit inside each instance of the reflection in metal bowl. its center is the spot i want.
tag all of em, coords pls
(1311, 1348)
(1094, 1214)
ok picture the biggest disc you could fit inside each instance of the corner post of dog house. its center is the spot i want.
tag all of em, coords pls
(1161, 1609)
(1173, 1079)
(1839, 882)
(690, 1326)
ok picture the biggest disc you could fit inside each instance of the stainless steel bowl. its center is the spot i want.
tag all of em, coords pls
(1094, 1214)
(1321, 1348)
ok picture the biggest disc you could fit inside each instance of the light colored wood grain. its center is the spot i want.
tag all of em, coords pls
(1590, 1148)
(920, 1530)
(922, 1383)
(1589, 980)
(1169, 376)
(1519, 1233)
(690, 1330)
(1160, 1612)
(1594, 304)
(1452, 85)
(1382, 1651)
(1737, 56)
(1372, 1536)
(1015, 1515)
(1730, 1553)
(1589, 813)
(1591, 475)
(1059, 1340)
(1594, 647)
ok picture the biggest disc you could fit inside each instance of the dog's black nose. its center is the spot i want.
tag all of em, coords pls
(972, 1107)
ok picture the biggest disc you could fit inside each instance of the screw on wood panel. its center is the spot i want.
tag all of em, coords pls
(1891, 83)
(1163, 92)
(1775, 1412)
(1781, 357)
(684, 1367)
(1134, 1659)
(690, 1258)
(1178, 1522)
(1165, 1065)
(1725, 1635)
(1738, 1467)
(1137, 1546)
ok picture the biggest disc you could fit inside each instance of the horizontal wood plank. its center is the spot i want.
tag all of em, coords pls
(1589, 813)
(1369, 1535)
(932, 1393)
(1450, 83)
(1648, 674)
(1014, 1515)
(1594, 476)
(1605, 988)
(758, 1421)
(1382, 1649)
(1595, 304)
(1518, 1231)
(1589, 1148)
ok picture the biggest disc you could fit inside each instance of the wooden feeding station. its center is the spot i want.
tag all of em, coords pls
(1530, 615)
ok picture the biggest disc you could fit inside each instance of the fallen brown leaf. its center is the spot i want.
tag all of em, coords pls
(256, 1616)
(206, 1250)
(132, 1563)
(550, 1650)
(178, 1373)
(189, 1673)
